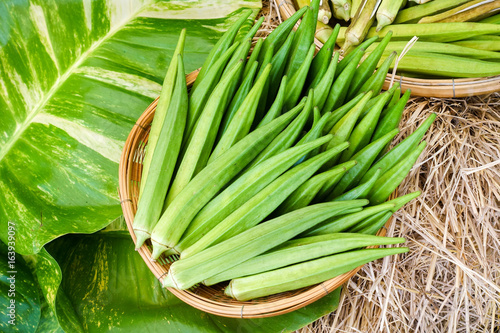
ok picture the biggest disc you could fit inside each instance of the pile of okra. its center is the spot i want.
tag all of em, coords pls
(273, 171)
(456, 38)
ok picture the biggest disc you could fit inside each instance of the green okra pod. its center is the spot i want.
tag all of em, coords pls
(374, 223)
(298, 79)
(275, 109)
(185, 273)
(300, 250)
(199, 145)
(340, 86)
(220, 48)
(390, 180)
(362, 133)
(322, 59)
(415, 13)
(305, 194)
(360, 191)
(168, 145)
(365, 158)
(331, 181)
(207, 183)
(161, 108)
(278, 67)
(253, 56)
(376, 81)
(242, 121)
(392, 117)
(367, 67)
(304, 274)
(303, 39)
(401, 150)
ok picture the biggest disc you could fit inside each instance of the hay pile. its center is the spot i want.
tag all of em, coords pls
(450, 279)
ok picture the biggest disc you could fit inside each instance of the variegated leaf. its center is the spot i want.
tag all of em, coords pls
(74, 77)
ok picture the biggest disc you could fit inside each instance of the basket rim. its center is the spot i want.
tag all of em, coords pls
(442, 88)
(237, 309)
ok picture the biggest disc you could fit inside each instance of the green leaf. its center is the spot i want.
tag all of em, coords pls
(19, 297)
(109, 286)
(75, 75)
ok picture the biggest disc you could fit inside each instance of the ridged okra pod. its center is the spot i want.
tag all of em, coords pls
(161, 108)
(185, 273)
(165, 155)
(304, 274)
(300, 250)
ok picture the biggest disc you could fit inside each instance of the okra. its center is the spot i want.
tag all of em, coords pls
(239, 97)
(343, 128)
(324, 13)
(199, 98)
(401, 150)
(242, 121)
(161, 108)
(470, 11)
(376, 81)
(392, 117)
(278, 35)
(413, 14)
(165, 155)
(278, 66)
(220, 48)
(495, 19)
(445, 48)
(355, 4)
(304, 274)
(365, 158)
(275, 109)
(396, 96)
(360, 191)
(322, 60)
(185, 273)
(348, 221)
(340, 87)
(305, 194)
(322, 89)
(374, 223)
(340, 112)
(261, 205)
(390, 180)
(362, 133)
(288, 137)
(253, 56)
(303, 39)
(485, 43)
(375, 99)
(446, 65)
(200, 143)
(300, 250)
(447, 32)
(298, 79)
(203, 187)
(367, 67)
(240, 191)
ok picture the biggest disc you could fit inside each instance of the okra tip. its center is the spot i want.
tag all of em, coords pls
(158, 249)
(141, 237)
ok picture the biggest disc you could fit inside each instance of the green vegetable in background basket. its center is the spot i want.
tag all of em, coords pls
(246, 183)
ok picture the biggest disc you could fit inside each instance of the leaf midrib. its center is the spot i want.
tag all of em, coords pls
(4, 150)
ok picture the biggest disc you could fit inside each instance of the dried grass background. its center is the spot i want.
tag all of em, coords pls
(450, 279)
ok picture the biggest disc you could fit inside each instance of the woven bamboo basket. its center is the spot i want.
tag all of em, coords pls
(442, 88)
(209, 299)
